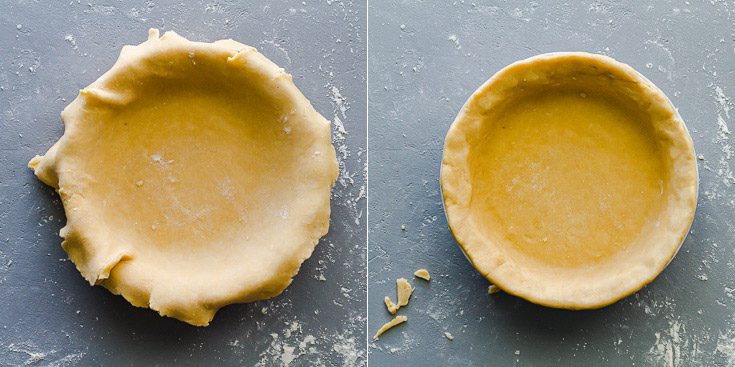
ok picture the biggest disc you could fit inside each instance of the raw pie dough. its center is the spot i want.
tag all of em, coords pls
(569, 180)
(193, 175)
(390, 324)
(423, 274)
(403, 291)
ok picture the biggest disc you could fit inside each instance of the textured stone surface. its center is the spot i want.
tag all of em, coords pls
(48, 314)
(426, 59)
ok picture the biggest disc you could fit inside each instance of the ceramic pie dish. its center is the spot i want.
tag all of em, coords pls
(569, 180)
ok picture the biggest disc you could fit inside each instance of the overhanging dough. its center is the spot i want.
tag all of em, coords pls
(193, 175)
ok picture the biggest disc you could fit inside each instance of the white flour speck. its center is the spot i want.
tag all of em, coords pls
(453, 38)
(724, 130)
(723, 101)
(339, 100)
(71, 40)
(278, 47)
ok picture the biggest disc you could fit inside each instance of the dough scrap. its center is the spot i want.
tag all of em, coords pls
(569, 179)
(404, 289)
(492, 289)
(396, 321)
(193, 176)
(392, 307)
(423, 274)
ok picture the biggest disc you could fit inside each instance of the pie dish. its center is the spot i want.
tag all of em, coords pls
(569, 179)
(193, 175)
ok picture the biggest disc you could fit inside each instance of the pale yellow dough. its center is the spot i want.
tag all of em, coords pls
(423, 274)
(390, 306)
(569, 180)
(492, 289)
(193, 175)
(404, 291)
(388, 325)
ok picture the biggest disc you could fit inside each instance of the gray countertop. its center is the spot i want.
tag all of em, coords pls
(48, 314)
(425, 59)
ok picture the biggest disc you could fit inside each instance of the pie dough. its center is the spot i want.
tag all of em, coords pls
(492, 289)
(423, 274)
(569, 179)
(403, 291)
(388, 325)
(390, 306)
(193, 175)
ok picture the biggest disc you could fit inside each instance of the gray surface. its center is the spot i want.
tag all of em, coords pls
(426, 58)
(48, 314)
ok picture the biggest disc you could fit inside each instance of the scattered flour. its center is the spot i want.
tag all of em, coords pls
(292, 348)
(726, 347)
(339, 100)
(278, 47)
(671, 63)
(722, 100)
(667, 349)
(33, 357)
(350, 195)
(724, 105)
(453, 38)
(723, 129)
(71, 40)
(50, 358)
(287, 347)
(347, 348)
(67, 360)
(215, 7)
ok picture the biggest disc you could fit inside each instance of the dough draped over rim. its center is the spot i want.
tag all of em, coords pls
(503, 226)
(193, 175)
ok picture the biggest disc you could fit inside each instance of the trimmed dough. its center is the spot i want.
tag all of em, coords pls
(193, 175)
(423, 274)
(392, 307)
(569, 180)
(492, 289)
(396, 321)
(404, 290)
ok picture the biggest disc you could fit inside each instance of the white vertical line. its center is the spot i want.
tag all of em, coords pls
(367, 179)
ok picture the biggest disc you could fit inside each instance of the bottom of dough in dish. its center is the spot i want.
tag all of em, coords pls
(193, 175)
